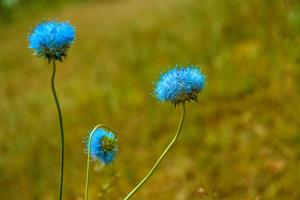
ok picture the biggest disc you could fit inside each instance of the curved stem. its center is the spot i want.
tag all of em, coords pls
(61, 176)
(160, 158)
(86, 192)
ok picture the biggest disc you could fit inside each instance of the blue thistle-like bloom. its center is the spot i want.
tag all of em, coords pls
(103, 146)
(180, 84)
(51, 39)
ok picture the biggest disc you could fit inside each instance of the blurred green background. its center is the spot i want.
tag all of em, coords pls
(241, 141)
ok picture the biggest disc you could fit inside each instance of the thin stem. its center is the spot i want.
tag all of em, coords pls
(61, 176)
(86, 192)
(160, 158)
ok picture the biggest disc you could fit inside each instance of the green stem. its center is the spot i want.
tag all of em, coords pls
(61, 176)
(86, 192)
(160, 158)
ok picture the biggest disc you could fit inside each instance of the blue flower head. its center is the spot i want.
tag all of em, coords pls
(103, 146)
(51, 39)
(180, 84)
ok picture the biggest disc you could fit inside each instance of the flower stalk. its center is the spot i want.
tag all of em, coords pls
(86, 191)
(161, 156)
(60, 118)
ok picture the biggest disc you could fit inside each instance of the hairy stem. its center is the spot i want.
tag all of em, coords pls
(160, 158)
(61, 176)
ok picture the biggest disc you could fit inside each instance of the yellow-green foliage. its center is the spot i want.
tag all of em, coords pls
(241, 141)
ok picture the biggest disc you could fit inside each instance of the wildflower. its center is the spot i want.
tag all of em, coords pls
(180, 84)
(103, 145)
(51, 39)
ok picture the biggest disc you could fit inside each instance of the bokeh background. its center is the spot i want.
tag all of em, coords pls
(240, 141)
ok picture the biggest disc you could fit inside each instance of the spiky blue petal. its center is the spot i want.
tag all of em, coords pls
(103, 146)
(180, 84)
(51, 39)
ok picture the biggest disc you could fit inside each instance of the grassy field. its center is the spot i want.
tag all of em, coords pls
(240, 142)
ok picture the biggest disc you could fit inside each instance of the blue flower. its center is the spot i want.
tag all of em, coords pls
(180, 84)
(51, 39)
(103, 146)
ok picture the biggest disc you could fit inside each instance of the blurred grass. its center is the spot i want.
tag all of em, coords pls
(241, 141)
